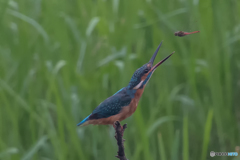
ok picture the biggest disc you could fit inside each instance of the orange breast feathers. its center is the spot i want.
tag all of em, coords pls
(125, 112)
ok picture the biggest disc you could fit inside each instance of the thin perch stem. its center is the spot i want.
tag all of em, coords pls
(119, 137)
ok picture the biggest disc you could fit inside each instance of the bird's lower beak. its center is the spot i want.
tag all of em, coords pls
(159, 63)
(154, 56)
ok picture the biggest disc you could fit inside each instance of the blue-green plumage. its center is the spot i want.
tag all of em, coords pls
(83, 121)
(136, 78)
(111, 106)
(114, 107)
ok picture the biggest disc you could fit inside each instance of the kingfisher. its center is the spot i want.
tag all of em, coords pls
(124, 103)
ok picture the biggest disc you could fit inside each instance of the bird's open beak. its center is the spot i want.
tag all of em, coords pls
(154, 56)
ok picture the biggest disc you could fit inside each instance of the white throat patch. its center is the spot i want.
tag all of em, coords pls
(139, 85)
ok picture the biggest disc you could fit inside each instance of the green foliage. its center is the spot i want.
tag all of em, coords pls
(60, 59)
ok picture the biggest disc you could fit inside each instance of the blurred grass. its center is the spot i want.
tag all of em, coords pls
(60, 59)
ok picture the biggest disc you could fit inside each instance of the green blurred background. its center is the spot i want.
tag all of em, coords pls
(60, 59)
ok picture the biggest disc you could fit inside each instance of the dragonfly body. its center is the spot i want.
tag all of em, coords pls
(181, 33)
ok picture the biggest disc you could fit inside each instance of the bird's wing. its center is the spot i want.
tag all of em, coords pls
(111, 106)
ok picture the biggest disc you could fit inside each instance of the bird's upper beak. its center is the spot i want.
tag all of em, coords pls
(154, 56)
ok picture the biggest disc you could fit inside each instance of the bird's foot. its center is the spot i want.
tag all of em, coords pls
(120, 129)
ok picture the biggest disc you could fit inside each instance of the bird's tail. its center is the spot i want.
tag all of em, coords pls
(84, 122)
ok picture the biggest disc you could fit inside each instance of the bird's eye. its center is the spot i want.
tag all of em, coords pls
(146, 70)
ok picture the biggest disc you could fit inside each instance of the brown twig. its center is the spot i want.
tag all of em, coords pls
(119, 137)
